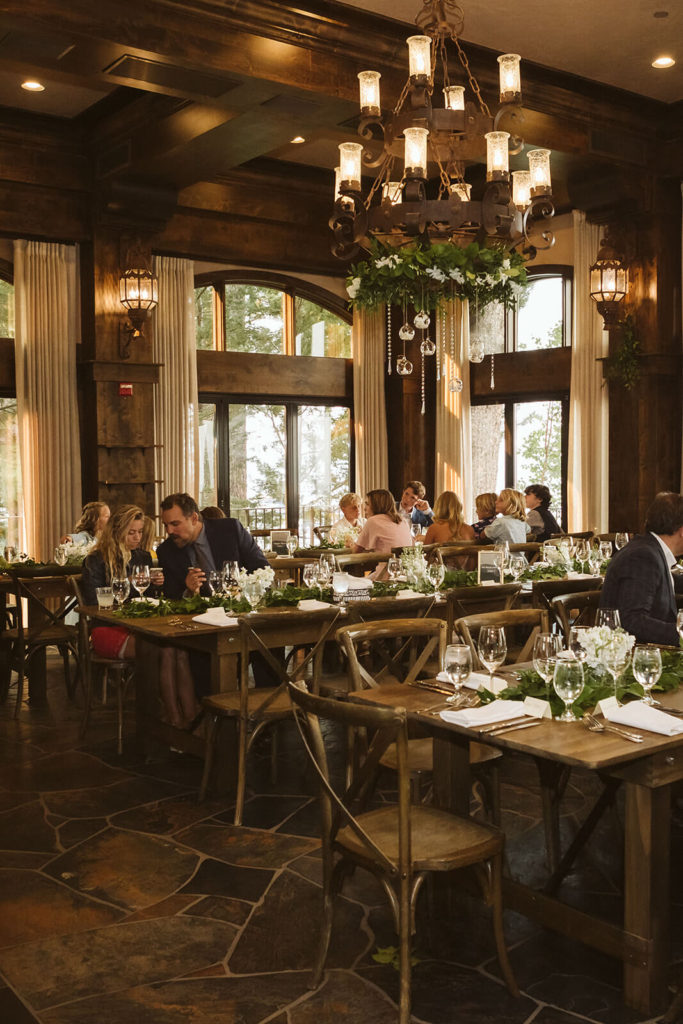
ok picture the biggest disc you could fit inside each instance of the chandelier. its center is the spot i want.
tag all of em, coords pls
(424, 139)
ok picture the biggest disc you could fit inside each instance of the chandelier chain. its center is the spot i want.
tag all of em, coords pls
(474, 84)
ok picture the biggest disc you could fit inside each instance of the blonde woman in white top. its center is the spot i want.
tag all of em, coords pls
(346, 530)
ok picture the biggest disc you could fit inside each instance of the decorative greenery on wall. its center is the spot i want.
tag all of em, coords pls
(624, 365)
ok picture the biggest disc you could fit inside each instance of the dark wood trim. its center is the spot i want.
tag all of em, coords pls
(8, 378)
(522, 375)
(314, 378)
(291, 286)
(123, 371)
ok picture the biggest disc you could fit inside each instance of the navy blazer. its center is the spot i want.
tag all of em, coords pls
(637, 584)
(229, 542)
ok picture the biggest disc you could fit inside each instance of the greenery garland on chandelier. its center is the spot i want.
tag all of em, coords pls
(426, 276)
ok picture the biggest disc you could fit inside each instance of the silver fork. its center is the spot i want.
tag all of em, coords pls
(465, 700)
(593, 725)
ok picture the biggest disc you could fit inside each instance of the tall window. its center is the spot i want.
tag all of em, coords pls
(11, 499)
(520, 435)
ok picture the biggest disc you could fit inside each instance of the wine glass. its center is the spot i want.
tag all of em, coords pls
(292, 544)
(608, 617)
(120, 588)
(546, 648)
(576, 634)
(394, 567)
(310, 575)
(457, 666)
(647, 668)
(620, 540)
(340, 585)
(582, 550)
(504, 548)
(605, 549)
(61, 554)
(594, 561)
(215, 581)
(435, 574)
(568, 683)
(325, 573)
(231, 572)
(518, 565)
(327, 559)
(141, 579)
(492, 649)
(251, 590)
(614, 656)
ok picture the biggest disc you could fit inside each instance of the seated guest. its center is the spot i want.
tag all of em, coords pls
(486, 510)
(449, 523)
(346, 529)
(193, 547)
(212, 512)
(511, 524)
(542, 522)
(413, 507)
(639, 582)
(384, 528)
(93, 519)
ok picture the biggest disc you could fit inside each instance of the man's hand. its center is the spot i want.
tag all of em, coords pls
(421, 504)
(194, 579)
(156, 576)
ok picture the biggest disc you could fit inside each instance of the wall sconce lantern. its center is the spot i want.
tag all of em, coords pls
(139, 293)
(608, 282)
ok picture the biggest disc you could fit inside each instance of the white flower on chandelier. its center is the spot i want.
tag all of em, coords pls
(388, 261)
(505, 264)
(490, 280)
(352, 289)
(456, 275)
(437, 274)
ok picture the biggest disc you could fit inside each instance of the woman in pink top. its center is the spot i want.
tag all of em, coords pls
(384, 528)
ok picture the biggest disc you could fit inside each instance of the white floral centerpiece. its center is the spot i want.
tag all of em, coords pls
(73, 553)
(596, 640)
(264, 577)
(414, 564)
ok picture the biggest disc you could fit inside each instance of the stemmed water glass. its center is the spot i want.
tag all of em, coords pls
(546, 649)
(327, 559)
(215, 581)
(457, 666)
(141, 579)
(614, 656)
(608, 617)
(120, 588)
(647, 668)
(576, 633)
(568, 683)
(61, 554)
(620, 540)
(517, 565)
(251, 590)
(394, 567)
(594, 561)
(292, 543)
(492, 649)
(605, 549)
(435, 574)
(582, 551)
(310, 575)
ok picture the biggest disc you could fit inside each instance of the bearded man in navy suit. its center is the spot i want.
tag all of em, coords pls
(639, 580)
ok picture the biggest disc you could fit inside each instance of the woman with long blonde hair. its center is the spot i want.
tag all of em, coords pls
(94, 518)
(449, 521)
(511, 524)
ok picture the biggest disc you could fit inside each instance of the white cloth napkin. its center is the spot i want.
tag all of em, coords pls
(311, 604)
(641, 716)
(478, 681)
(571, 575)
(497, 711)
(215, 617)
(359, 583)
(148, 600)
(402, 594)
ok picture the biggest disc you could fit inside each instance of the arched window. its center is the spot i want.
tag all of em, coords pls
(276, 436)
(11, 499)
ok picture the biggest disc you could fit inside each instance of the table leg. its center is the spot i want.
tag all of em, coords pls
(452, 772)
(646, 893)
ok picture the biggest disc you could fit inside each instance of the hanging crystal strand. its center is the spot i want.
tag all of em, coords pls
(422, 356)
(452, 334)
(440, 342)
(388, 339)
(493, 374)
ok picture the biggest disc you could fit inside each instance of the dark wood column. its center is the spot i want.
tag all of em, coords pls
(645, 422)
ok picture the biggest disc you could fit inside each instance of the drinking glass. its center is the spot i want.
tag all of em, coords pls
(492, 648)
(457, 666)
(340, 584)
(647, 668)
(594, 561)
(310, 574)
(567, 683)
(582, 550)
(608, 617)
(105, 597)
(231, 572)
(620, 540)
(546, 648)
(435, 574)
(60, 554)
(614, 657)
(575, 646)
(518, 565)
(605, 549)
(251, 590)
(328, 559)
(416, 530)
(215, 581)
(504, 548)
(120, 588)
(394, 567)
(140, 578)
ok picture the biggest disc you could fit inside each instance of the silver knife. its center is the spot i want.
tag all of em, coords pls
(509, 726)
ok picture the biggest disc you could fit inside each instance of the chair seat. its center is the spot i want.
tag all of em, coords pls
(440, 841)
(421, 757)
(34, 637)
(228, 704)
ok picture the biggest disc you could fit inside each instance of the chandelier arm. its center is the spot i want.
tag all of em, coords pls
(515, 113)
(474, 84)
(540, 208)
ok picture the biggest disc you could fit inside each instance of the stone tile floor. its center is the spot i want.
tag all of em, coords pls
(124, 901)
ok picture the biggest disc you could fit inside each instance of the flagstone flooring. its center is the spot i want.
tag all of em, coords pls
(124, 901)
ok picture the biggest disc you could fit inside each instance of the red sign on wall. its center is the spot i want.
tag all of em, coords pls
(125, 390)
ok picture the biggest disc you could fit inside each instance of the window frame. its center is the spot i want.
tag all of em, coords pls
(566, 273)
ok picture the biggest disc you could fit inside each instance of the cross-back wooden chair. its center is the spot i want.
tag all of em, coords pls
(531, 549)
(399, 844)
(531, 621)
(462, 601)
(254, 709)
(41, 623)
(575, 610)
(116, 672)
(585, 535)
(358, 563)
(543, 592)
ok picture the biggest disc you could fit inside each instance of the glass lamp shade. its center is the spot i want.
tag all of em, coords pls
(138, 290)
(539, 169)
(391, 190)
(369, 91)
(419, 56)
(609, 281)
(350, 162)
(454, 97)
(416, 150)
(462, 189)
(497, 166)
(510, 79)
(521, 189)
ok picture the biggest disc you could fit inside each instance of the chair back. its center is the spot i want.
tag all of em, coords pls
(391, 649)
(386, 726)
(386, 607)
(585, 535)
(575, 610)
(543, 591)
(361, 562)
(531, 549)
(321, 532)
(462, 601)
(529, 621)
(49, 599)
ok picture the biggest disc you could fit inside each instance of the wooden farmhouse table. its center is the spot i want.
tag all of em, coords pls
(647, 771)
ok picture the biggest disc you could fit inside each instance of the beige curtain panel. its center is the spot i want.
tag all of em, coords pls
(47, 329)
(588, 462)
(453, 471)
(176, 403)
(369, 368)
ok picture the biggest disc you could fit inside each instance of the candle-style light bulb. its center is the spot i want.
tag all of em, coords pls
(510, 78)
(369, 92)
(497, 165)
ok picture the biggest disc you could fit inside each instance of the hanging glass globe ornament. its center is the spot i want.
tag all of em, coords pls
(476, 352)
(422, 320)
(455, 384)
(427, 348)
(404, 367)
(406, 332)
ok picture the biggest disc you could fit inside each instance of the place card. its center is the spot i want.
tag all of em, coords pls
(607, 705)
(537, 708)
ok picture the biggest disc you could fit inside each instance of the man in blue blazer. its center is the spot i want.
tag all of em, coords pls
(639, 581)
(194, 546)
(413, 506)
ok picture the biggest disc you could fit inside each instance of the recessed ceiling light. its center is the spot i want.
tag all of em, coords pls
(298, 139)
(32, 86)
(663, 62)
